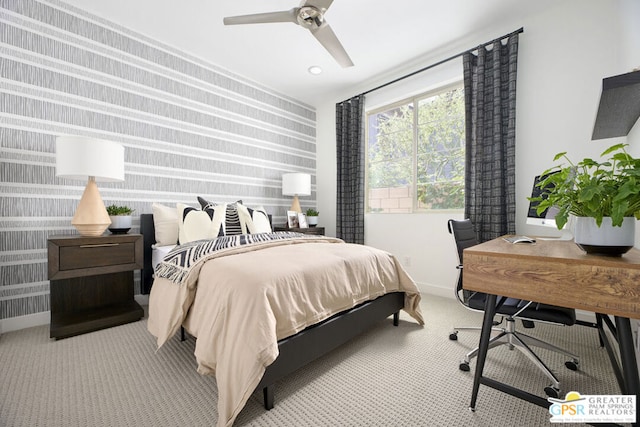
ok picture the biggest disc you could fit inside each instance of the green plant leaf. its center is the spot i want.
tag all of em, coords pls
(115, 210)
(609, 187)
(618, 212)
(559, 156)
(613, 148)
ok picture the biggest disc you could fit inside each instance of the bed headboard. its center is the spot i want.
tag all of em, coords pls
(148, 231)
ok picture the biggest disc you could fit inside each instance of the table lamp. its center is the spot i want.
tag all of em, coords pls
(80, 157)
(296, 184)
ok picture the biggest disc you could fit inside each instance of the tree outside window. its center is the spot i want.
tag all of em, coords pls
(415, 154)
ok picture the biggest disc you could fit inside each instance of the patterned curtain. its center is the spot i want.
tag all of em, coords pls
(490, 113)
(350, 155)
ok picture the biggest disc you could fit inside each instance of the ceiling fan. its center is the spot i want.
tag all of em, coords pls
(310, 15)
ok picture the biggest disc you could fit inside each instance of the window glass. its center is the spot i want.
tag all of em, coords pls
(415, 154)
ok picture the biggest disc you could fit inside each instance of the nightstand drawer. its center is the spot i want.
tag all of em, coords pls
(96, 255)
(310, 230)
(75, 256)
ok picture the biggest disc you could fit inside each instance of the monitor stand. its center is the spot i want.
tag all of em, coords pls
(565, 235)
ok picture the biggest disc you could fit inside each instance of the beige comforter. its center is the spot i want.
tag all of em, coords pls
(241, 305)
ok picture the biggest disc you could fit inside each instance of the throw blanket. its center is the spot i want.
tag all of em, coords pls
(178, 263)
(243, 299)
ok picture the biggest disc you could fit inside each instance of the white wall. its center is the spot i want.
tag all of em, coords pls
(630, 55)
(629, 13)
(561, 64)
(564, 54)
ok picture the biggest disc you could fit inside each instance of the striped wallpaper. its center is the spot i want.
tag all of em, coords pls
(189, 129)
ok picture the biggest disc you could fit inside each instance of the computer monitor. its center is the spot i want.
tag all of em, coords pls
(547, 217)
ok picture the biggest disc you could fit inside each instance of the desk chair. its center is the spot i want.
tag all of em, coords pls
(510, 310)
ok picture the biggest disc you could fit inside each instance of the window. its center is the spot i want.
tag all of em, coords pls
(415, 153)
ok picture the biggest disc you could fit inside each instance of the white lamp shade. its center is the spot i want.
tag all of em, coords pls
(79, 157)
(296, 184)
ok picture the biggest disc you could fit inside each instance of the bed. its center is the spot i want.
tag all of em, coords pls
(293, 348)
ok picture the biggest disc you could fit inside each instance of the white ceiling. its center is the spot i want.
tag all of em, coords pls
(378, 35)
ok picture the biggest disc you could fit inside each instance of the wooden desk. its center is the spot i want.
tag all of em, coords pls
(557, 273)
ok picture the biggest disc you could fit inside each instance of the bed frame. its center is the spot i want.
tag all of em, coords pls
(302, 348)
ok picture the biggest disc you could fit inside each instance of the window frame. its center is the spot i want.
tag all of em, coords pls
(412, 100)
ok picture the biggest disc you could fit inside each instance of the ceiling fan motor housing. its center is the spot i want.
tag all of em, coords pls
(309, 16)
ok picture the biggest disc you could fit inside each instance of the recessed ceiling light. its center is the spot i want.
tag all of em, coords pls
(315, 70)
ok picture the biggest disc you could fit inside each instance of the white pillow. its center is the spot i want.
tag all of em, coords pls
(158, 253)
(194, 224)
(261, 221)
(165, 221)
(254, 221)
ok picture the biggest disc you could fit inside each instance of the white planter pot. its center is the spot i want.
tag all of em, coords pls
(120, 224)
(312, 221)
(606, 239)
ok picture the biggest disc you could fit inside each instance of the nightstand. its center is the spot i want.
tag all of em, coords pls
(311, 230)
(92, 282)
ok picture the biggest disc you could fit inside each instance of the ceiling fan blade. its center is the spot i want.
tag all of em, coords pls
(262, 18)
(322, 5)
(328, 39)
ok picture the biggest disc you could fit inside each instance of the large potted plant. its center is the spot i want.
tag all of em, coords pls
(120, 218)
(603, 196)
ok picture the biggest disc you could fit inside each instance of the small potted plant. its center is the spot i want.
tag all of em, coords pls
(604, 197)
(120, 218)
(312, 217)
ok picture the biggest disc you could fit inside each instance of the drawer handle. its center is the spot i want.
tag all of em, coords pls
(100, 245)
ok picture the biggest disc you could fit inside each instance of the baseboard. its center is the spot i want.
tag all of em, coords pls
(23, 322)
(38, 319)
(44, 318)
(142, 299)
(428, 288)
(586, 316)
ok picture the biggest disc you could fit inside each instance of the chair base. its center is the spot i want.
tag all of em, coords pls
(453, 336)
(523, 342)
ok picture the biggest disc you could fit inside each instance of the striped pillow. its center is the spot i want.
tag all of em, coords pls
(232, 225)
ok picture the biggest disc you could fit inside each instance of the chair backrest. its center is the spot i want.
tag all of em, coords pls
(463, 234)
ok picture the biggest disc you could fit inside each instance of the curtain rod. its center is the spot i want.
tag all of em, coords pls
(518, 31)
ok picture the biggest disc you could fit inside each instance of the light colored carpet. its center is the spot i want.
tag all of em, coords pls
(404, 376)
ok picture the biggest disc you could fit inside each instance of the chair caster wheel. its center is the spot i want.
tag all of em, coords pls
(552, 392)
(464, 366)
(453, 336)
(572, 365)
